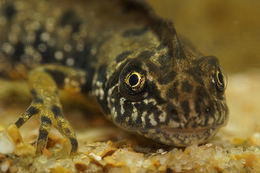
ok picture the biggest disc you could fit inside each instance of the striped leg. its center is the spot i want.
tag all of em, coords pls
(45, 82)
(44, 130)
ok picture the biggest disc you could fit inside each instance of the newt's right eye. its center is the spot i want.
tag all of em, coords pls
(135, 80)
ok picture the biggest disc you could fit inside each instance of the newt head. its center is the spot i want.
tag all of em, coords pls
(170, 95)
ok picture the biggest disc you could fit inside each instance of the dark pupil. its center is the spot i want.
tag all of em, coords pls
(133, 80)
(220, 78)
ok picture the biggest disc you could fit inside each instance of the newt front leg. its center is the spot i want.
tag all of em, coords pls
(44, 83)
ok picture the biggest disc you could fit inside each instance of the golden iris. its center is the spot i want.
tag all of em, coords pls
(220, 80)
(135, 80)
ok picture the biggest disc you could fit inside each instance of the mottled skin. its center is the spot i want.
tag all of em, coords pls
(145, 78)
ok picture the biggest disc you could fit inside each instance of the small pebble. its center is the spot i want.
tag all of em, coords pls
(6, 146)
(5, 166)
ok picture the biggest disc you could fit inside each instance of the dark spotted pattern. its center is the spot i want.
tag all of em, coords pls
(45, 120)
(122, 56)
(36, 97)
(167, 78)
(9, 11)
(69, 18)
(56, 111)
(146, 54)
(172, 92)
(164, 59)
(19, 122)
(186, 86)
(57, 75)
(19, 50)
(185, 107)
(43, 134)
(32, 111)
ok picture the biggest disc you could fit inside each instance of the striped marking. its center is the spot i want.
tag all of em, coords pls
(27, 115)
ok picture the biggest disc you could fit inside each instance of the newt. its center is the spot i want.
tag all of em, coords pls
(146, 78)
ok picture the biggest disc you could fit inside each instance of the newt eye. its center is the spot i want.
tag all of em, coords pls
(135, 80)
(220, 80)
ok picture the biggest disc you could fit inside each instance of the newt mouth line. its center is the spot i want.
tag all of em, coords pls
(199, 131)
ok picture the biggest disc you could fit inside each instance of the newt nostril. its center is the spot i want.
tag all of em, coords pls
(172, 113)
(207, 110)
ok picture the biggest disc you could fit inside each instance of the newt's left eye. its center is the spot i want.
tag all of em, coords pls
(135, 80)
(220, 80)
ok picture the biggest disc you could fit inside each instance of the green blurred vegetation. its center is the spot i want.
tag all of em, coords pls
(229, 29)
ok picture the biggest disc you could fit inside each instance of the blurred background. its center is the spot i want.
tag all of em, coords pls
(229, 29)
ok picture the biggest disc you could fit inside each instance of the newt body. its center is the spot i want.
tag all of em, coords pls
(144, 79)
